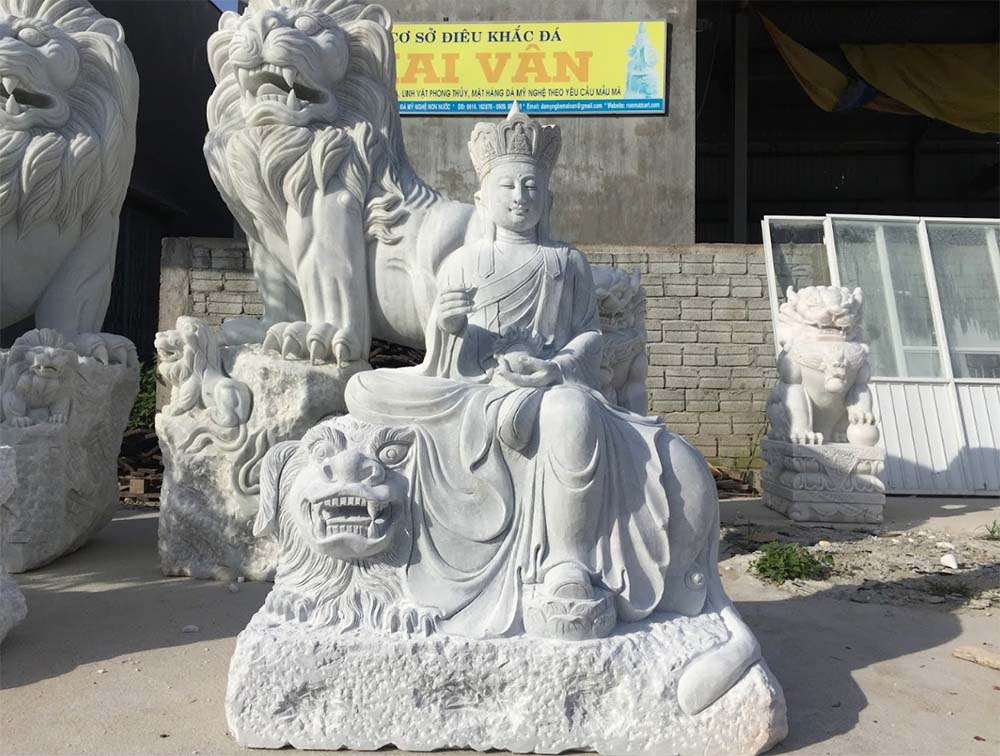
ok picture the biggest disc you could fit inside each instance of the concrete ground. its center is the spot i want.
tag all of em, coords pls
(102, 665)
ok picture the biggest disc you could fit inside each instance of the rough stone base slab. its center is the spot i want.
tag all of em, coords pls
(12, 605)
(289, 685)
(67, 475)
(209, 497)
(13, 608)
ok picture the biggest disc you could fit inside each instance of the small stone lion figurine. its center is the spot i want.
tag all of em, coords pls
(38, 379)
(190, 363)
(621, 304)
(823, 394)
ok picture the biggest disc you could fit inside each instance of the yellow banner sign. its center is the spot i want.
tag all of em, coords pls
(549, 67)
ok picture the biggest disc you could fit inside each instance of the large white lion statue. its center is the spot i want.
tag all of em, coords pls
(68, 99)
(306, 148)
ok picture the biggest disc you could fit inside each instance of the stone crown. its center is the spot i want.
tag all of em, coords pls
(515, 138)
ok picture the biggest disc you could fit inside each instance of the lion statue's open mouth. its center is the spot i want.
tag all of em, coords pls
(357, 520)
(339, 501)
(15, 98)
(278, 84)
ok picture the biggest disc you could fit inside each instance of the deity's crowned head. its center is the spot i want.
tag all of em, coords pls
(514, 159)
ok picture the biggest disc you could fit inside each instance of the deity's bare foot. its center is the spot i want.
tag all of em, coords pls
(567, 606)
(568, 580)
(319, 343)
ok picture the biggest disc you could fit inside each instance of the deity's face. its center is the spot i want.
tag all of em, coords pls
(514, 195)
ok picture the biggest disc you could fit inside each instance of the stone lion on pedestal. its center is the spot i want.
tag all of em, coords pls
(68, 99)
(37, 380)
(305, 145)
(823, 394)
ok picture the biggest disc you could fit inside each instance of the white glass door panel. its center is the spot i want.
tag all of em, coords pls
(884, 259)
(967, 269)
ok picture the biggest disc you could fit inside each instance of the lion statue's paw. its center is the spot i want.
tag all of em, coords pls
(806, 437)
(320, 343)
(106, 348)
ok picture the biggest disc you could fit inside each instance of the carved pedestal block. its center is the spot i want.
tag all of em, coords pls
(320, 689)
(67, 465)
(820, 485)
(12, 606)
(211, 471)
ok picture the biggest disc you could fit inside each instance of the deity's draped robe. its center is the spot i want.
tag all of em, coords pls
(478, 518)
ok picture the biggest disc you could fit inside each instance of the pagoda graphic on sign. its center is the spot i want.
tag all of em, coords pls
(641, 80)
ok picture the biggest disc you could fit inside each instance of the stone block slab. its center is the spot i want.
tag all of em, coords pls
(317, 689)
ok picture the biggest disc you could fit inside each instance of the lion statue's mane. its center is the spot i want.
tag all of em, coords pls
(318, 590)
(262, 170)
(79, 171)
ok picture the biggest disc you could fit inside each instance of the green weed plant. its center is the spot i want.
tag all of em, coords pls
(779, 562)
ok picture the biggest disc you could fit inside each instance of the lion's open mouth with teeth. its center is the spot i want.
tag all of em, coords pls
(345, 488)
(334, 516)
(15, 97)
(278, 84)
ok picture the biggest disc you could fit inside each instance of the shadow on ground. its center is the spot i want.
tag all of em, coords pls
(846, 667)
(117, 602)
(818, 644)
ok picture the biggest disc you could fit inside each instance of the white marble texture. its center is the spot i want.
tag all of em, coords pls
(228, 406)
(320, 689)
(68, 101)
(64, 414)
(13, 608)
(305, 146)
(825, 484)
(486, 551)
(822, 395)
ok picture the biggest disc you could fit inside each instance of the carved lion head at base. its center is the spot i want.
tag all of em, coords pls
(339, 503)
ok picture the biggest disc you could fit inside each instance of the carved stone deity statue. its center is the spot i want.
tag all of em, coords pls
(508, 397)
(69, 95)
(305, 145)
(821, 448)
(450, 542)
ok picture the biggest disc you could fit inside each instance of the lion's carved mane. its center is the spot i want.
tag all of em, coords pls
(319, 590)
(80, 171)
(263, 170)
